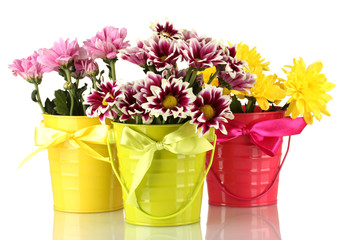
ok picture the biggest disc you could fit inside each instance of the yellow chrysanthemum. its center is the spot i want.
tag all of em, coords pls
(307, 89)
(266, 89)
(207, 74)
(252, 57)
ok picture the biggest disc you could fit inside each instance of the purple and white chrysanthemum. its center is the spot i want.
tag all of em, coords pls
(201, 54)
(101, 101)
(136, 55)
(163, 53)
(233, 64)
(165, 31)
(187, 35)
(241, 82)
(171, 98)
(129, 106)
(211, 109)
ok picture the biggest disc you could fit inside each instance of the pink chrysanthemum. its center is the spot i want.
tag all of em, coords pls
(171, 98)
(29, 68)
(129, 105)
(61, 54)
(211, 109)
(163, 53)
(166, 31)
(241, 82)
(136, 55)
(101, 101)
(87, 66)
(201, 54)
(107, 43)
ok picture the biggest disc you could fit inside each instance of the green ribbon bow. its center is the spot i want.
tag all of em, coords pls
(185, 141)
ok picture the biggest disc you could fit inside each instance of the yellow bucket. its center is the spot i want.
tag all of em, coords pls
(170, 193)
(80, 182)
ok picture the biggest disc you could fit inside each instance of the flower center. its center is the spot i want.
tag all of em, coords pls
(197, 59)
(165, 34)
(104, 103)
(169, 102)
(208, 112)
(163, 58)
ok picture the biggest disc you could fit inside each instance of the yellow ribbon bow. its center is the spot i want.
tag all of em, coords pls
(49, 137)
(185, 141)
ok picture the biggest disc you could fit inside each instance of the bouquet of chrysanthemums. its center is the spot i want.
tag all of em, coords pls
(73, 63)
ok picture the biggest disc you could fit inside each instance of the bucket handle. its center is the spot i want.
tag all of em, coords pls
(227, 192)
(185, 206)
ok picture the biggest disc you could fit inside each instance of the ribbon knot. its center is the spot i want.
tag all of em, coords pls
(267, 135)
(48, 137)
(184, 140)
(245, 131)
(159, 146)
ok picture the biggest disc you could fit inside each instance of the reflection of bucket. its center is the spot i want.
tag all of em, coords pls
(224, 223)
(80, 183)
(170, 192)
(243, 169)
(185, 232)
(88, 226)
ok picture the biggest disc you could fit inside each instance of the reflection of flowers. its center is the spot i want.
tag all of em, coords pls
(171, 98)
(102, 101)
(307, 88)
(211, 109)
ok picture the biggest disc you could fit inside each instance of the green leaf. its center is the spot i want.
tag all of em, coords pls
(49, 107)
(34, 95)
(236, 106)
(60, 101)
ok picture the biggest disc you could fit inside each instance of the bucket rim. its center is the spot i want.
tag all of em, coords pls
(67, 117)
(258, 111)
(147, 125)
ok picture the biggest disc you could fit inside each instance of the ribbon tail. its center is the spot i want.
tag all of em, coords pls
(60, 139)
(141, 169)
(91, 152)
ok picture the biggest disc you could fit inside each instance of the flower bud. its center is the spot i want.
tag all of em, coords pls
(68, 86)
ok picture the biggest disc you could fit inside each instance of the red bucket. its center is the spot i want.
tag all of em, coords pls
(242, 175)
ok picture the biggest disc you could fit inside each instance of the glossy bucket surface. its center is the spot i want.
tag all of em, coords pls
(243, 168)
(233, 223)
(80, 183)
(185, 232)
(168, 184)
(88, 226)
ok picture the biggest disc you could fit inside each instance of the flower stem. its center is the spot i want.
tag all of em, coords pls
(39, 101)
(94, 83)
(193, 77)
(71, 92)
(250, 107)
(113, 70)
(213, 77)
(188, 75)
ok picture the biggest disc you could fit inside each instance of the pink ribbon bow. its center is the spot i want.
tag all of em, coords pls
(267, 135)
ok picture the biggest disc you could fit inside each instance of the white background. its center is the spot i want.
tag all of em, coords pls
(310, 190)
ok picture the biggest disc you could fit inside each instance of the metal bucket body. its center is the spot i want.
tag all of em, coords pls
(80, 183)
(167, 185)
(243, 168)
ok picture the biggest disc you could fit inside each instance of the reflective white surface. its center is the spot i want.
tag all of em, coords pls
(310, 189)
